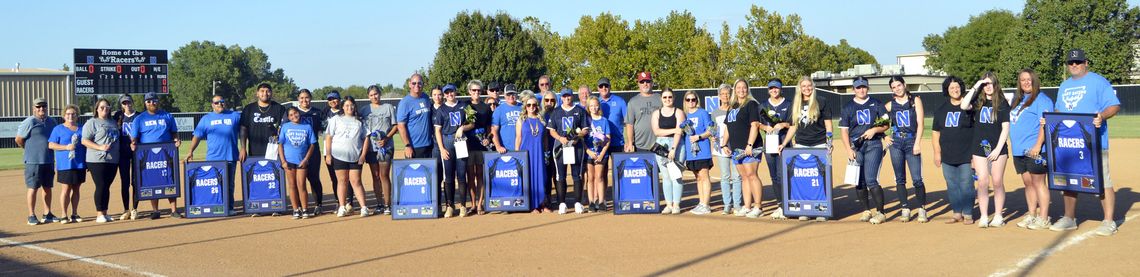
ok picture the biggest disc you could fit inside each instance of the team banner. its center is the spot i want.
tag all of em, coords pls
(506, 176)
(206, 189)
(156, 171)
(807, 190)
(1073, 151)
(263, 184)
(415, 189)
(635, 183)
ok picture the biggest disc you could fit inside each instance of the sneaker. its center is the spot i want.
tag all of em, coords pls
(125, 216)
(997, 222)
(725, 211)
(102, 219)
(804, 218)
(779, 214)
(49, 218)
(342, 211)
(1038, 223)
(740, 212)
(305, 213)
(755, 213)
(866, 216)
(32, 220)
(821, 219)
(922, 216)
(462, 211)
(602, 206)
(1107, 228)
(174, 213)
(365, 212)
(1064, 224)
(699, 210)
(677, 209)
(905, 215)
(65, 219)
(155, 215)
(984, 222)
(578, 208)
(387, 211)
(877, 218)
(561, 208)
(1026, 220)
(447, 212)
(134, 214)
(296, 214)
(317, 210)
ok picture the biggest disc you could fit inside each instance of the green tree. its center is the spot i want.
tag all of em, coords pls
(970, 50)
(1105, 29)
(488, 48)
(553, 49)
(195, 66)
(599, 47)
(847, 56)
(681, 54)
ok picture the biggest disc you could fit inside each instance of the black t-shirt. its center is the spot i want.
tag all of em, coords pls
(858, 118)
(813, 133)
(261, 124)
(316, 118)
(739, 123)
(450, 118)
(987, 125)
(561, 120)
(956, 130)
(483, 114)
(782, 111)
(125, 129)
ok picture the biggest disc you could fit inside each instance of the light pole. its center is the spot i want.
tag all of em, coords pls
(214, 90)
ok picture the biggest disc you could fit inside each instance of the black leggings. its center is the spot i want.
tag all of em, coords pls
(126, 160)
(452, 168)
(575, 173)
(102, 174)
(777, 180)
(314, 176)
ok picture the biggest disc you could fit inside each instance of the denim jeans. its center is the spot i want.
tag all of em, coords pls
(960, 187)
(670, 185)
(777, 179)
(729, 183)
(869, 157)
(902, 157)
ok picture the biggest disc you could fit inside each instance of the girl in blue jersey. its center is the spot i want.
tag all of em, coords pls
(597, 154)
(1027, 136)
(295, 144)
(69, 162)
(698, 154)
(863, 139)
(529, 133)
(666, 123)
(906, 112)
(991, 128)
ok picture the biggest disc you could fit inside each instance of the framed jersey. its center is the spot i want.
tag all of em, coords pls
(156, 171)
(206, 189)
(506, 177)
(415, 189)
(807, 191)
(1072, 147)
(263, 182)
(635, 183)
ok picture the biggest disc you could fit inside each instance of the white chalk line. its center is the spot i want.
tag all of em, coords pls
(1022, 264)
(77, 257)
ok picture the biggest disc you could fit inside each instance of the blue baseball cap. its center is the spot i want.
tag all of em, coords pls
(566, 92)
(775, 84)
(150, 96)
(860, 82)
(333, 95)
(448, 87)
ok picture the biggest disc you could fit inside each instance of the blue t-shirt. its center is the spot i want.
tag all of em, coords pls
(1090, 94)
(701, 121)
(35, 133)
(152, 128)
(506, 117)
(63, 136)
(296, 140)
(599, 130)
(1024, 122)
(416, 113)
(220, 131)
(858, 118)
(614, 110)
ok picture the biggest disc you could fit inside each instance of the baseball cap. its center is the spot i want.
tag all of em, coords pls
(644, 75)
(1075, 55)
(860, 82)
(566, 92)
(125, 98)
(496, 86)
(775, 84)
(333, 95)
(150, 96)
(604, 81)
(448, 87)
(38, 101)
(510, 89)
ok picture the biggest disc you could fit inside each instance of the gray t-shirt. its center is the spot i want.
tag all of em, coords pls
(379, 120)
(347, 138)
(35, 133)
(102, 132)
(640, 115)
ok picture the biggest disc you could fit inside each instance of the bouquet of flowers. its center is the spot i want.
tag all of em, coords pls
(571, 135)
(470, 112)
(74, 143)
(884, 120)
(772, 116)
(688, 128)
(376, 137)
(598, 139)
(986, 147)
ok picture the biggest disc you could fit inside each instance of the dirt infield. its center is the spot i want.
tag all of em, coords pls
(596, 244)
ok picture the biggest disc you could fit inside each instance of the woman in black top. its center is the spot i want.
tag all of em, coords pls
(989, 145)
(862, 128)
(450, 123)
(813, 118)
(666, 124)
(777, 121)
(953, 132)
(906, 112)
(744, 145)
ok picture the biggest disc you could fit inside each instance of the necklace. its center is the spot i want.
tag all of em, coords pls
(263, 110)
(535, 129)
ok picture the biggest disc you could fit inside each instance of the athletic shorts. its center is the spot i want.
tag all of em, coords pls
(1022, 164)
(699, 164)
(375, 157)
(39, 175)
(605, 159)
(337, 164)
(71, 176)
(1104, 168)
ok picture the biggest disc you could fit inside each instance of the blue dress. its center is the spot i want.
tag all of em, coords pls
(532, 144)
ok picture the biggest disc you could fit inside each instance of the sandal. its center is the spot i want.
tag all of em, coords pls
(955, 219)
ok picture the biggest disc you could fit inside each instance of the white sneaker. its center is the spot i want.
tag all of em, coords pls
(342, 211)
(779, 214)
(102, 219)
(562, 208)
(877, 218)
(866, 216)
(726, 211)
(134, 214)
(741, 212)
(1026, 220)
(578, 208)
(997, 222)
(905, 215)
(755, 213)
(677, 209)
(1038, 223)
(984, 222)
(922, 216)
(700, 210)
(365, 212)
(1064, 224)
(1107, 228)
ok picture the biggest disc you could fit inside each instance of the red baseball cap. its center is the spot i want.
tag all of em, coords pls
(644, 75)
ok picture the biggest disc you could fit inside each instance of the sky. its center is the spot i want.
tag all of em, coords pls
(344, 43)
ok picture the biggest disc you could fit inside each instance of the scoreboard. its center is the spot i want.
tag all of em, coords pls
(118, 71)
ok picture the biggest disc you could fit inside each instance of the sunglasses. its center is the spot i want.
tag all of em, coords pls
(474, 90)
(416, 83)
(1075, 62)
(543, 84)
(531, 105)
(222, 102)
(690, 100)
(493, 90)
(151, 101)
(40, 106)
(126, 103)
(644, 82)
(604, 86)
(548, 101)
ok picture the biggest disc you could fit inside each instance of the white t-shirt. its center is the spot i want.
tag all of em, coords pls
(347, 138)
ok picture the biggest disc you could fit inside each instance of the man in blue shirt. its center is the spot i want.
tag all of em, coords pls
(413, 117)
(32, 135)
(505, 120)
(1089, 93)
(220, 130)
(613, 108)
(154, 126)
